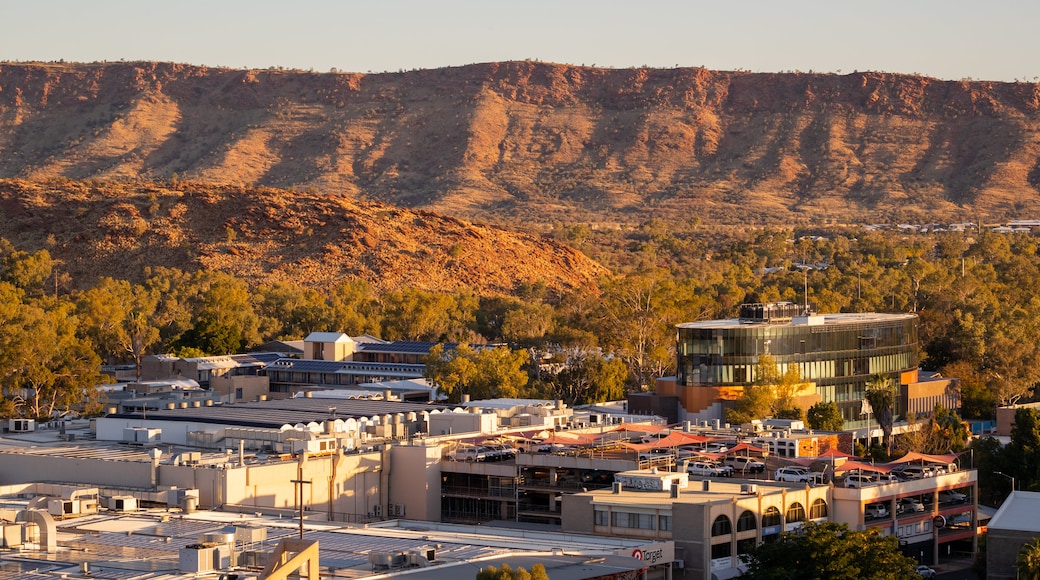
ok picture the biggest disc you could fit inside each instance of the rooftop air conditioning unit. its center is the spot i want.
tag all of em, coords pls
(748, 488)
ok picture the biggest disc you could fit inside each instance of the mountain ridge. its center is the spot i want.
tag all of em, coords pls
(539, 142)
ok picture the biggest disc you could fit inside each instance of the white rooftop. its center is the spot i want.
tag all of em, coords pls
(327, 337)
(1020, 512)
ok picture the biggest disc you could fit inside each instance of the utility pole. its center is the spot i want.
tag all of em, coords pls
(299, 481)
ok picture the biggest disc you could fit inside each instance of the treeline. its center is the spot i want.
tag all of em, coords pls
(974, 292)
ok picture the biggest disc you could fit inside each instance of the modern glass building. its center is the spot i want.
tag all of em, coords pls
(838, 353)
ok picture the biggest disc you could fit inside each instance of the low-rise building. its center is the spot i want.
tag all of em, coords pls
(712, 523)
(1015, 523)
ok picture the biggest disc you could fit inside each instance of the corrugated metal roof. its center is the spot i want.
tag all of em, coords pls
(275, 413)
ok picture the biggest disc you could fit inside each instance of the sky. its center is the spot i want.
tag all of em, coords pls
(950, 39)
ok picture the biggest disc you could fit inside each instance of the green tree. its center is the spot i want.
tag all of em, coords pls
(354, 308)
(46, 369)
(948, 433)
(829, 551)
(28, 271)
(588, 377)
(527, 323)
(771, 394)
(223, 318)
(484, 373)
(881, 396)
(825, 417)
(1022, 454)
(1028, 560)
(413, 314)
(637, 314)
(506, 573)
(287, 311)
(120, 319)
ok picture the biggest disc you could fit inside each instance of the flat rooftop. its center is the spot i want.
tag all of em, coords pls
(146, 545)
(836, 319)
(277, 412)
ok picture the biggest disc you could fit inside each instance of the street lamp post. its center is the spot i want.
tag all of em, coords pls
(1007, 476)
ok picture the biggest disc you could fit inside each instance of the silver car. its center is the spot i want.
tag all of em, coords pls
(795, 474)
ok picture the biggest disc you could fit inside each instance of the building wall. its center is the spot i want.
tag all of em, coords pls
(23, 468)
(415, 481)
(838, 356)
(921, 398)
(339, 484)
(1002, 547)
(252, 387)
(1006, 417)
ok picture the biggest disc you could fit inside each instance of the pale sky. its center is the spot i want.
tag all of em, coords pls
(950, 39)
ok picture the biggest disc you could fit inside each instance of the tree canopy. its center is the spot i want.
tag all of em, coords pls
(482, 373)
(829, 551)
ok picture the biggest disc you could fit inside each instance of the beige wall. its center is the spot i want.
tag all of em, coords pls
(19, 468)
(415, 481)
(252, 387)
(340, 484)
(578, 513)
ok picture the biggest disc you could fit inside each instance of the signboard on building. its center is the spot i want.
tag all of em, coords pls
(651, 554)
(650, 481)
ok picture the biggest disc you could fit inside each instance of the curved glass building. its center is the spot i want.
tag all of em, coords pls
(837, 353)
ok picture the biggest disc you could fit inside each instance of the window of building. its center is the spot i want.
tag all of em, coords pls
(746, 521)
(721, 527)
(632, 520)
(721, 550)
(771, 517)
(818, 509)
(795, 513)
(602, 518)
(745, 546)
(664, 523)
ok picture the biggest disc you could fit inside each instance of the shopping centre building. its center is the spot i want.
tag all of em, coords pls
(836, 354)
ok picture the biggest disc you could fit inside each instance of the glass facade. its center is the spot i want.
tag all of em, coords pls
(836, 352)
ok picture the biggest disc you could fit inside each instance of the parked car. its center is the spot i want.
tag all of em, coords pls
(654, 437)
(744, 464)
(659, 454)
(476, 453)
(925, 571)
(704, 469)
(911, 504)
(876, 510)
(796, 474)
(717, 447)
(858, 480)
(951, 496)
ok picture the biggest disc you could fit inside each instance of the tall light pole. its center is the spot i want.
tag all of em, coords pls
(1007, 476)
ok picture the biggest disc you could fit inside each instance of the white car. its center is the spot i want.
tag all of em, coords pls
(658, 454)
(876, 510)
(796, 474)
(705, 468)
(951, 496)
(858, 481)
(911, 504)
(744, 464)
(924, 571)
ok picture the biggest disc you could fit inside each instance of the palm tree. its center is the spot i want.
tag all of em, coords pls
(1028, 561)
(881, 395)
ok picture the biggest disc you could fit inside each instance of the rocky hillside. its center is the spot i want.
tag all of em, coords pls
(265, 235)
(541, 141)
